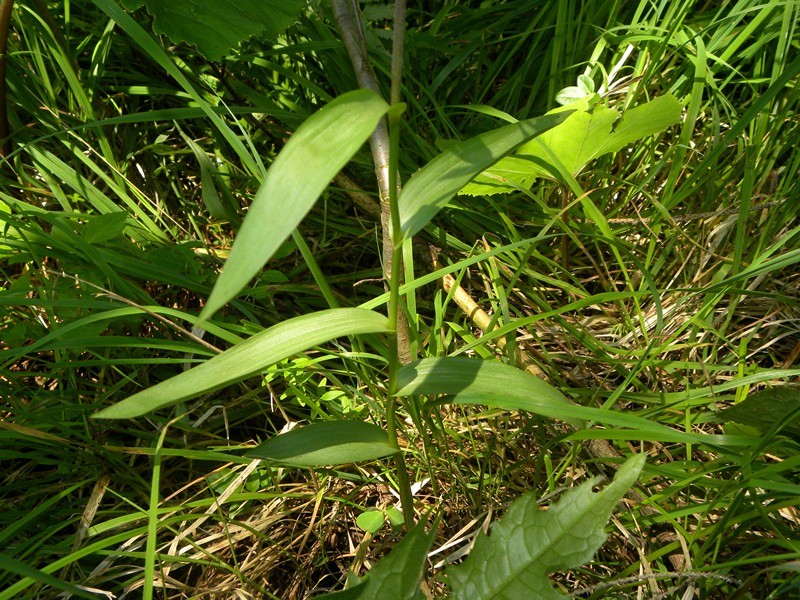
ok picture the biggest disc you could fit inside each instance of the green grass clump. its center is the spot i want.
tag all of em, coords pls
(127, 183)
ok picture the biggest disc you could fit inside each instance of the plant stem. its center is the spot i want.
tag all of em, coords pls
(396, 275)
(385, 145)
(344, 14)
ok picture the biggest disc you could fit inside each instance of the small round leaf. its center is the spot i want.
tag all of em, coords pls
(371, 520)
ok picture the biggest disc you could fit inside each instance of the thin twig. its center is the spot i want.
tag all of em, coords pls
(688, 575)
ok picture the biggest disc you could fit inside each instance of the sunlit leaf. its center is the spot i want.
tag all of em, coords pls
(248, 358)
(370, 520)
(487, 382)
(514, 560)
(589, 132)
(317, 151)
(436, 183)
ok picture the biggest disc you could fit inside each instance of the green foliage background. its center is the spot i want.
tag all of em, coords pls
(656, 288)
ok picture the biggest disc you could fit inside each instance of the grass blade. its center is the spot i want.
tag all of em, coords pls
(14, 566)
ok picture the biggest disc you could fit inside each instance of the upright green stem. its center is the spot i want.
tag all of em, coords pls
(403, 482)
(396, 277)
(345, 13)
(385, 152)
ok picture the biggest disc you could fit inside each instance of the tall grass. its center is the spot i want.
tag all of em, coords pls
(112, 238)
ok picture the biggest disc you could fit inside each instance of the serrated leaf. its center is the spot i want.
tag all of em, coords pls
(435, 184)
(216, 28)
(248, 358)
(581, 138)
(766, 408)
(327, 443)
(396, 576)
(370, 520)
(527, 543)
(316, 152)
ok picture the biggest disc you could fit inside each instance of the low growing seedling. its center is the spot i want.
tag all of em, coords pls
(373, 519)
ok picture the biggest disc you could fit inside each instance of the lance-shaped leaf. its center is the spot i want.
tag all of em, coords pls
(587, 134)
(527, 543)
(436, 183)
(487, 382)
(316, 152)
(250, 357)
(326, 443)
(766, 409)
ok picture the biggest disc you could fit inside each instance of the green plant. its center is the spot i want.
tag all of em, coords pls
(673, 297)
(316, 152)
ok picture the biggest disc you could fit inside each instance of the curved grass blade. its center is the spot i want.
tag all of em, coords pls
(326, 443)
(247, 358)
(476, 381)
(317, 151)
(437, 182)
(19, 568)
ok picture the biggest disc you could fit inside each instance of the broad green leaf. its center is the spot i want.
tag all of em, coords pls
(248, 358)
(370, 520)
(430, 188)
(486, 382)
(104, 228)
(396, 576)
(572, 94)
(569, 95)
(351, 593)
(766, 408)
(317, 151)
(585, 135)
(586, 83)
(218, 27)
(326, 443)
(527, 543)
(395, 517)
